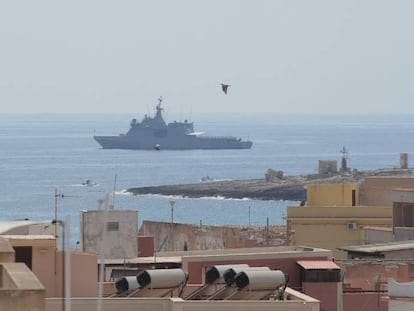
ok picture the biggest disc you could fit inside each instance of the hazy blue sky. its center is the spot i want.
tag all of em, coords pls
(278, 56)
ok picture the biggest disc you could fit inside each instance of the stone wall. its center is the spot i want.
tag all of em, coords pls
(179, 237)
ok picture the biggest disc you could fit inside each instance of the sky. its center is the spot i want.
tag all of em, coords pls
(290, 56)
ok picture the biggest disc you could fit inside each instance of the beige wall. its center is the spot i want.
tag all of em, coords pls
(20, 290)
(331, 194)
(6, 251)
(362, 274)
(84, 276)
(299, 302)
(47, 265)
(331, 227)
(43, 265)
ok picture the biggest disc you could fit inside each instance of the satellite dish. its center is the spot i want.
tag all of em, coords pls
(157, 147)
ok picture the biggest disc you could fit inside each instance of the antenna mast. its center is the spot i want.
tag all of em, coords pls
(113, 192)
(344, 165)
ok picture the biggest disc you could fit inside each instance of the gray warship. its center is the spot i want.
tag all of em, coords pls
(154, 133)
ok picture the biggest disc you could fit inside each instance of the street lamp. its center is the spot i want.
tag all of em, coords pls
(172, 203)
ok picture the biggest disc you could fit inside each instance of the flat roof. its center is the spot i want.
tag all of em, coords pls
(379, 247)
(28, 236)
(141, 260)
(403, 189)
(318, 264)
(388, 229)
(12, 224)
(227, 254)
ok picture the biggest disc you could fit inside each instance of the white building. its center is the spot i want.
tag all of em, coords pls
(401, 296)
(120, 228)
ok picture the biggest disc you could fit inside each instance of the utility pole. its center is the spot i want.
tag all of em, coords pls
(172, 203)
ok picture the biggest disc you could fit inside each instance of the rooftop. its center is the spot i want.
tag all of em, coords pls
(318, 265)
(6, 226)
(388, 229)
(379, 247)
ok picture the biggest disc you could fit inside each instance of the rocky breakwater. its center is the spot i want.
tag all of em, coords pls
(291, 188)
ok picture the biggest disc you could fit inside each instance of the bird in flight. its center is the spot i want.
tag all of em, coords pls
(224, 87)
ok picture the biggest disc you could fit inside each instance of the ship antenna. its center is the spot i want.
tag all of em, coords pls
(159, 104)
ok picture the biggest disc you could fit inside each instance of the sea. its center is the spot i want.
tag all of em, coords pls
(46, 154)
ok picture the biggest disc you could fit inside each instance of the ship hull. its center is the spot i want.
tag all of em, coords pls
(187, 142)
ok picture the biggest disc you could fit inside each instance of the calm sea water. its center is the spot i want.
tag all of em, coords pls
(41, 153)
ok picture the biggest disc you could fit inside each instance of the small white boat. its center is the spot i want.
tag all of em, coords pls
(89, 183)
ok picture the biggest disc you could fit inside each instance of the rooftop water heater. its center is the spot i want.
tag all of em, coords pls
(126, 284)
(159, 283)
(213, 280)
(230, 278)
(151, 283)
(257, 285)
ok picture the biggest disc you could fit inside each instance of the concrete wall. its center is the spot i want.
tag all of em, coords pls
(297, 302)
(363, 274)
(364, 301)
(328, 293)
(327, 166)
(403, 234)
(121, 239)
(332, 194)
(374, 235)
(403, 214)
(400, 304)
(404, 160)
(377, 191)
(175, 238)
(404, 254)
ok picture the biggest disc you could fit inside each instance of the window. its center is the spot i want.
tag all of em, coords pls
(112, 226)
(321, 276)
(24, 254)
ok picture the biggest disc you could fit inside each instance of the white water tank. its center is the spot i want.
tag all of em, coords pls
(230, 274)
(216, 272)
(127, 283)
(261, 280)
(161, 278)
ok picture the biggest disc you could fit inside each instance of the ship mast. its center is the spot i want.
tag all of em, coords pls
(159, 108)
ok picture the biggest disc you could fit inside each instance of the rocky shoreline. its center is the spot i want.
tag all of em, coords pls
(292, 188)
